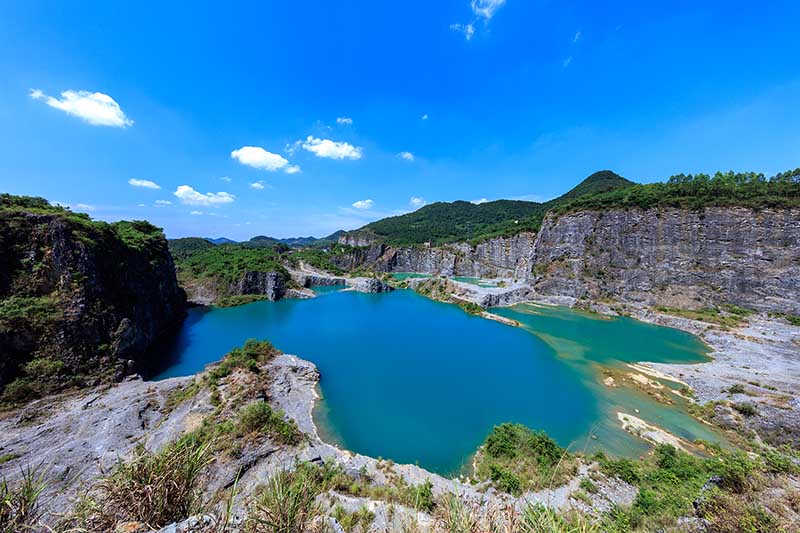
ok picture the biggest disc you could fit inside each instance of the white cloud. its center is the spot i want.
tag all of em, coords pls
(74, 207)
(416, 201)
(331, 149)
(147, 184)
(97, 109)
(480, 201)
(226, 179)
(344, 120)
(486, 8)
(364, 204)
(424, 117)
(292, 169)
(408, 156)
(195, 212)
(567, 62)
(162, 203)
(258, 185)
(467, 29)
(577, 37)
(189, 196)
(257, 157)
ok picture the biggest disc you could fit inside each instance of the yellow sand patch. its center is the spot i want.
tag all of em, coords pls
(653, 373)
(652, 434)
(644, 381)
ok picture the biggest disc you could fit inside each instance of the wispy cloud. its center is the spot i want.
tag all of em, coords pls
(408, 156)
(467, 29)
(483, 11)
(567, 62)
(257, 157)
(331, 149)
(258, 185)
(424, 117)
(416, 202)
(76, 207)
(344, 121)
(486, 8)
(364, 204)
(226, 179)
(97, 109)
(162, 203)
(577, 37)
(147, 184)
(188, 196)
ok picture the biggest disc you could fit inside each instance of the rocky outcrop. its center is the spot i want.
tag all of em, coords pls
(317, 280)
(80, 300)
(675, 257)
(372, 285)
(269, 284)
(507, 257)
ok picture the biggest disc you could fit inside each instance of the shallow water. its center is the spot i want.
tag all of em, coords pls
(414, 380)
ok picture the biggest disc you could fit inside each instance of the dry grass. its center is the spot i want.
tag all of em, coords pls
(155, 489)
(19, 503)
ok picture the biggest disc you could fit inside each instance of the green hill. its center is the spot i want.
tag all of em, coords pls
(445, 222)
(188, 246)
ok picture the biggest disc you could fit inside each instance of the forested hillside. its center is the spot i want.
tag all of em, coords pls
(442, 222)
(445, 222)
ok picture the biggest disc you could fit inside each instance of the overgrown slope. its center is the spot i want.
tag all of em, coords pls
(80, 300)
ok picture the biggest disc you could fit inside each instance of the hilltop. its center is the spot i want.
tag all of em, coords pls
(445, 222)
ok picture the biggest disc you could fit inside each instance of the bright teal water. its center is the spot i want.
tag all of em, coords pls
(414, 380)
(401, 276)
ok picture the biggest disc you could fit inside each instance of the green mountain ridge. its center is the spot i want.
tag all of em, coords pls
(444, 222)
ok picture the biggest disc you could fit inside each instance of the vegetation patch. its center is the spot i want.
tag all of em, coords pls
(726, 316)
(152, 488)
(517, 459)
(260, 418)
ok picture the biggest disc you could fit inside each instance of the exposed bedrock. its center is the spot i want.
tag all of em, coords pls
(68, 304)
(270, 284)
(670, 256)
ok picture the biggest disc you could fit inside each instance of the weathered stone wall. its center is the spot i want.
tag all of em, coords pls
(671, 256)
(98, 304)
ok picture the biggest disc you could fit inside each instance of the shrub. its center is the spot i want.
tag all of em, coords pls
(746, 408)
(19, 502)
(737, 388)
(517, 458)
(288, 504)
(735, 470)
(623, 469)
(540, 519)
(359, 520)
(259, 417)
(153, 488)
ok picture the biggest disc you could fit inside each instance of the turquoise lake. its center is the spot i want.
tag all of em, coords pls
(418, 381)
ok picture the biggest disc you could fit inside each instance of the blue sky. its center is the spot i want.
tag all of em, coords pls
(324, 115)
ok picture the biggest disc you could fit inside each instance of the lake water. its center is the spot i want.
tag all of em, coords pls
(414, 380)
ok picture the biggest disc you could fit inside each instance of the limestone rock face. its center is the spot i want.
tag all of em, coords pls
(670, 256)
(673, 257)
(270, 284)
(369, 285)
(95, 302)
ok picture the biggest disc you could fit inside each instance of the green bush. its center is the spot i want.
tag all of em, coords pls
(259, 417)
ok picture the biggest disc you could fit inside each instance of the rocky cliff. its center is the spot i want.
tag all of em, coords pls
(80, 301)
(499, 257)
(667, 256)
(673, 257)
